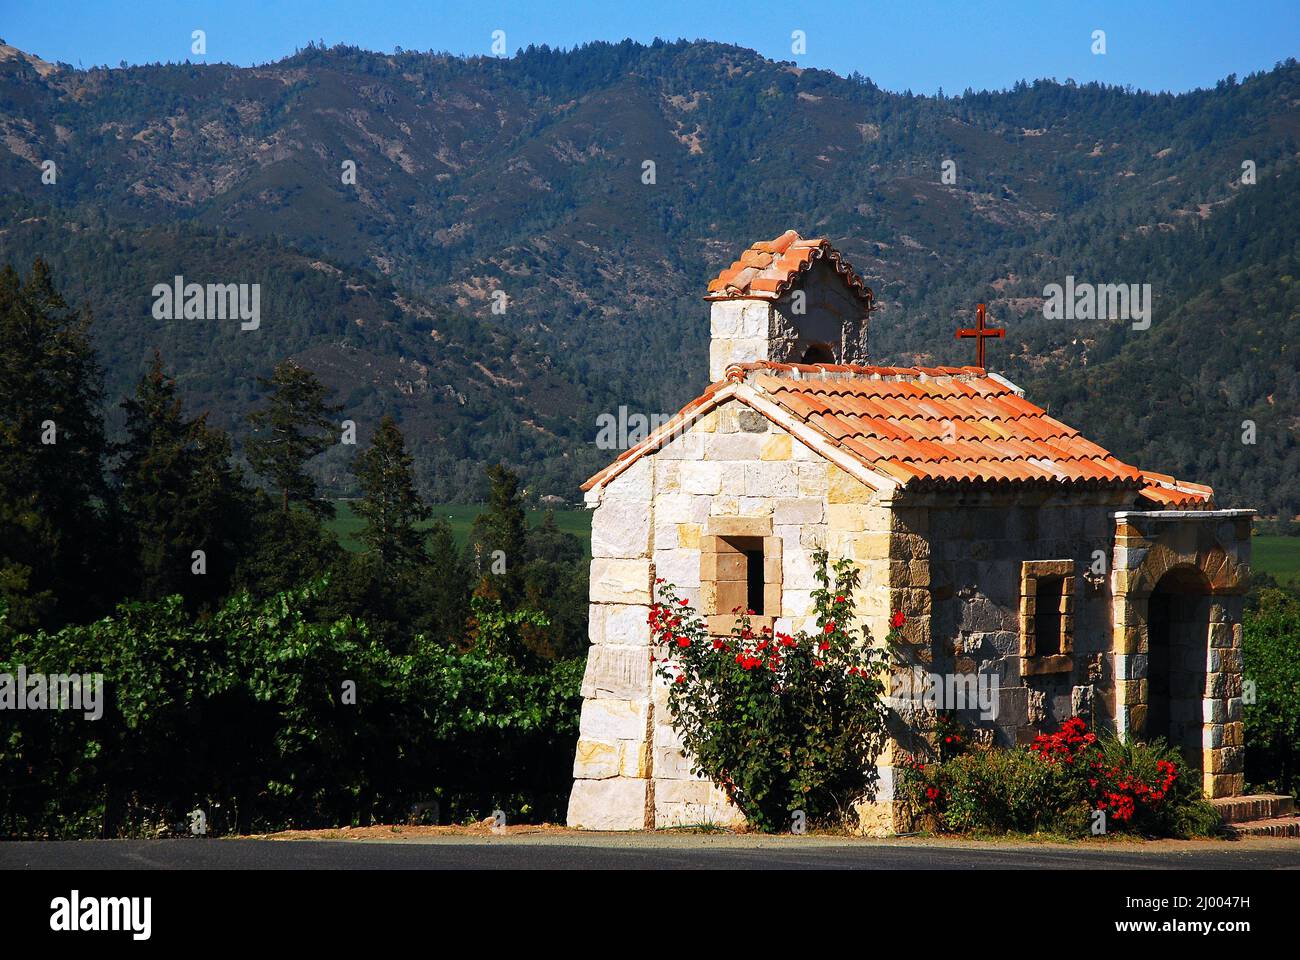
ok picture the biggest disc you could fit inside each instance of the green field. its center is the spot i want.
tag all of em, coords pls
(1277, 556)
(346, 524)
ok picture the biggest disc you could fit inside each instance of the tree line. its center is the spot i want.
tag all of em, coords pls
(159, 560)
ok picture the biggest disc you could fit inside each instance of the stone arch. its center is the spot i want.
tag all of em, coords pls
(1222, 575)
(1205, 555)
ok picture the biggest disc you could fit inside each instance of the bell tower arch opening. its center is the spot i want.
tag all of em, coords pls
(818, 353)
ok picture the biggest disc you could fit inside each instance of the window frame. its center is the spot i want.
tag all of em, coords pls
(1033, 663)
(719, 581)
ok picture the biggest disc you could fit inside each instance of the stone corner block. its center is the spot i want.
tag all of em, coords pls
(620, 581)
(615, 804)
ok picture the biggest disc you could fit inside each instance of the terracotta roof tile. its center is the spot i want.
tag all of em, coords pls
(943, 424)
(933, 425)
(770, 268)
(1164, 491)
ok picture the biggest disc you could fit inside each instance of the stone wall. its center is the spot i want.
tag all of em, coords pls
(630, 771)
(955, 570)
(978, 555)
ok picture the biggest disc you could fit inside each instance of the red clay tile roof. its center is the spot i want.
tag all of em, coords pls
(768, 269)
(921, 427)
(1166, 493)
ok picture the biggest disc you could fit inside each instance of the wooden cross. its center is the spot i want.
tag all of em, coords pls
(980, 333)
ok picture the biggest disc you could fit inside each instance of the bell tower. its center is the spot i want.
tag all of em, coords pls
(790, 300)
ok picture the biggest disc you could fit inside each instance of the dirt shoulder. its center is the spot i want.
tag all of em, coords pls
(549, 833)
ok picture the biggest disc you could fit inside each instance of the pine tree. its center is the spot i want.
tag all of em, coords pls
(390, 505)
(53, 494)
(179, 494)
(448, 584)
(295, 426)
(501, 538)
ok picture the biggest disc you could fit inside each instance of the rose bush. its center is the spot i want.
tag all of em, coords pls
(1057, 783)
(781, 722)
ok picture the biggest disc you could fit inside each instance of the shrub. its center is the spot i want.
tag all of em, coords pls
(1057, 783)
(1271, 654)
(242, 714)
(996, 789)
(782, 723)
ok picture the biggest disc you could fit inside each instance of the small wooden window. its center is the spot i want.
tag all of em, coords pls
(739, 572)
(1046, 617)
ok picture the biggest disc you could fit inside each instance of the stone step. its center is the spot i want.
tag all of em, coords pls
(1274, 827)
(1260, 806)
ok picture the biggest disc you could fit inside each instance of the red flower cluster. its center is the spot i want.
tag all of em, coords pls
(909, 762)
(675, 625)
(1116, 790)
(1066, 744)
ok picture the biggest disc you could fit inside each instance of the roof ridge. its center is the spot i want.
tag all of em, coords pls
(798, 371)
(768, 269)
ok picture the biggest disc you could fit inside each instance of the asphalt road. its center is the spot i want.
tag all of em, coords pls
(638, 852)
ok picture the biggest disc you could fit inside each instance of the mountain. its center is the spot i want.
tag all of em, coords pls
(526, 177)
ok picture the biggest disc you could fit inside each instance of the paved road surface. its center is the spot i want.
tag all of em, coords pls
(623, 851)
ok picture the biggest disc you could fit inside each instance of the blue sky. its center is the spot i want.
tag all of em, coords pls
(1160, 45)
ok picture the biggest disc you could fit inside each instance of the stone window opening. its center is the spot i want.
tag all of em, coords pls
(740, 573)
(1046, 617)
(754, 579)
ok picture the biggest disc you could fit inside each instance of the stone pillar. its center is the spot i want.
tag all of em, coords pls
(1224, 742)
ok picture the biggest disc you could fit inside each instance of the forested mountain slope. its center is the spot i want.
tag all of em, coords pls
(526, 176)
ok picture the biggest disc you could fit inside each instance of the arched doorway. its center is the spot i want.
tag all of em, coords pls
(1178, 637)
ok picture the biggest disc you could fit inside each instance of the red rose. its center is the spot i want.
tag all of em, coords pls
(897, 620)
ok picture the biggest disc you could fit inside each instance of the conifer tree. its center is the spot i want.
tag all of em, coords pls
(448, 587)
(53, 494)
(295, 425)
(390, 505)
(500, 547)
(179, 494)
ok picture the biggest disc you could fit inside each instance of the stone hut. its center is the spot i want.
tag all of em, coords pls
(1029, 562)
